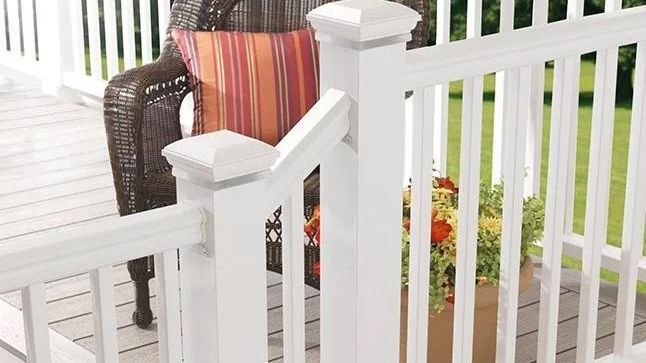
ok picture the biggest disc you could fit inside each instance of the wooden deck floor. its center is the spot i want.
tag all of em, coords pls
(54, 173)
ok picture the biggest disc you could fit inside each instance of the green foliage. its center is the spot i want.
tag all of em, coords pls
(523, 18)
(443, 252)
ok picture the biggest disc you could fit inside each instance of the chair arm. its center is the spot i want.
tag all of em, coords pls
(141, 115)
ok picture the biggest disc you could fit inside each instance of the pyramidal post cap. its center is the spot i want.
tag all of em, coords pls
(220, 156)
(363, 20)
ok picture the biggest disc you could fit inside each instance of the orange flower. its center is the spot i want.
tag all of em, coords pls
(440, 230)
(316, 214)
(313, 226)
(450, 299)
(407, 225)
(316, 269)
(446, 183)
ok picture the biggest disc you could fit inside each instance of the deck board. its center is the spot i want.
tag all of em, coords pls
(54, 172)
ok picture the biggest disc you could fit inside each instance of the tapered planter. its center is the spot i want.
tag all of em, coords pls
(440, 338)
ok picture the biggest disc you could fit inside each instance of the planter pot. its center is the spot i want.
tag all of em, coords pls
(440, 326)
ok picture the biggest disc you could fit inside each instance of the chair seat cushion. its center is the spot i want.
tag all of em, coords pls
(256, 84)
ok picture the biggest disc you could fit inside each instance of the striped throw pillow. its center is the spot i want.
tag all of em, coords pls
(256, 84)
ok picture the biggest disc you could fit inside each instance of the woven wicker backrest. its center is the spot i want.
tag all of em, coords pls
(263, 16)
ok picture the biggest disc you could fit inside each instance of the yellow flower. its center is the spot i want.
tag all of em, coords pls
(491, 224)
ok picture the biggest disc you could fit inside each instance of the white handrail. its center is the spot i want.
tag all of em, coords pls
(458, 60)
(66, 252)
(307, 144)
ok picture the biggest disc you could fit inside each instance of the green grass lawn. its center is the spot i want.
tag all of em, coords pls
(619, 157)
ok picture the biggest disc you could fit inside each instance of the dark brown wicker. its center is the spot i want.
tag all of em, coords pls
(141, 108)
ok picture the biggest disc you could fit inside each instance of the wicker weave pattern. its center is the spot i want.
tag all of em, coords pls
(142, 105)
(141, 112)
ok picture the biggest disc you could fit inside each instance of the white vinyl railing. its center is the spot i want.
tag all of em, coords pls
(71, 50)
(66, 57)
(513, 52)
(95, 248)
(228, 183)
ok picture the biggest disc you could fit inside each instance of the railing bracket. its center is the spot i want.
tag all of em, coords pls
(205, 251)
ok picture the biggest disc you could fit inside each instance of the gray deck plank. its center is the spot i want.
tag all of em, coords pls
(53, 178)
(16, 146)
(64, 155)
(528, 316)
(43, 112)
(71, 286)
(58, 205)
(81, 327)
(62, 219)
(145, 354)
(24, 103)
(65, 133)
(52, 192)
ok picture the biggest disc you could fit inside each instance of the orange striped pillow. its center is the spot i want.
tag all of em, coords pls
(256, 84)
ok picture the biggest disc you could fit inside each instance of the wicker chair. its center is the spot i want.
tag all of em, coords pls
(141, 109)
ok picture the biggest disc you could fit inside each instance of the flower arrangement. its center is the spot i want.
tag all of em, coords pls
(444, 237)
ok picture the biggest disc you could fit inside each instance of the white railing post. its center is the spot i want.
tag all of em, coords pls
(223, 281)
(55, 51)
(634, 210)
(363, 53)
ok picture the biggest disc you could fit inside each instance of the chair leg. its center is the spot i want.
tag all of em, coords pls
(141, 271)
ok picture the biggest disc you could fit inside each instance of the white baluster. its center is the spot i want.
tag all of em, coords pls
(441, 118)
(224, 291)
(516, 108)
(163, 12)
(536, 105)
(468, 206)
(13, 17)
(597, 199)
(146, 31)
(111, 48)
(28, 29)
(534, 155)
(3, 28)
(293, 278)
(168, 307)
(420, 227)
(498, 156)
(468, 216)
(574, 11)
(78, 37)
(128, 34)
(34, 312)
(633, 227)
(565, 83)
(94, 35)
(103, 314)
(361, 181)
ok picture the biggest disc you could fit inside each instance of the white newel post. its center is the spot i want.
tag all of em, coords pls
(223, 282)
(363, 46)
(55, 50)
